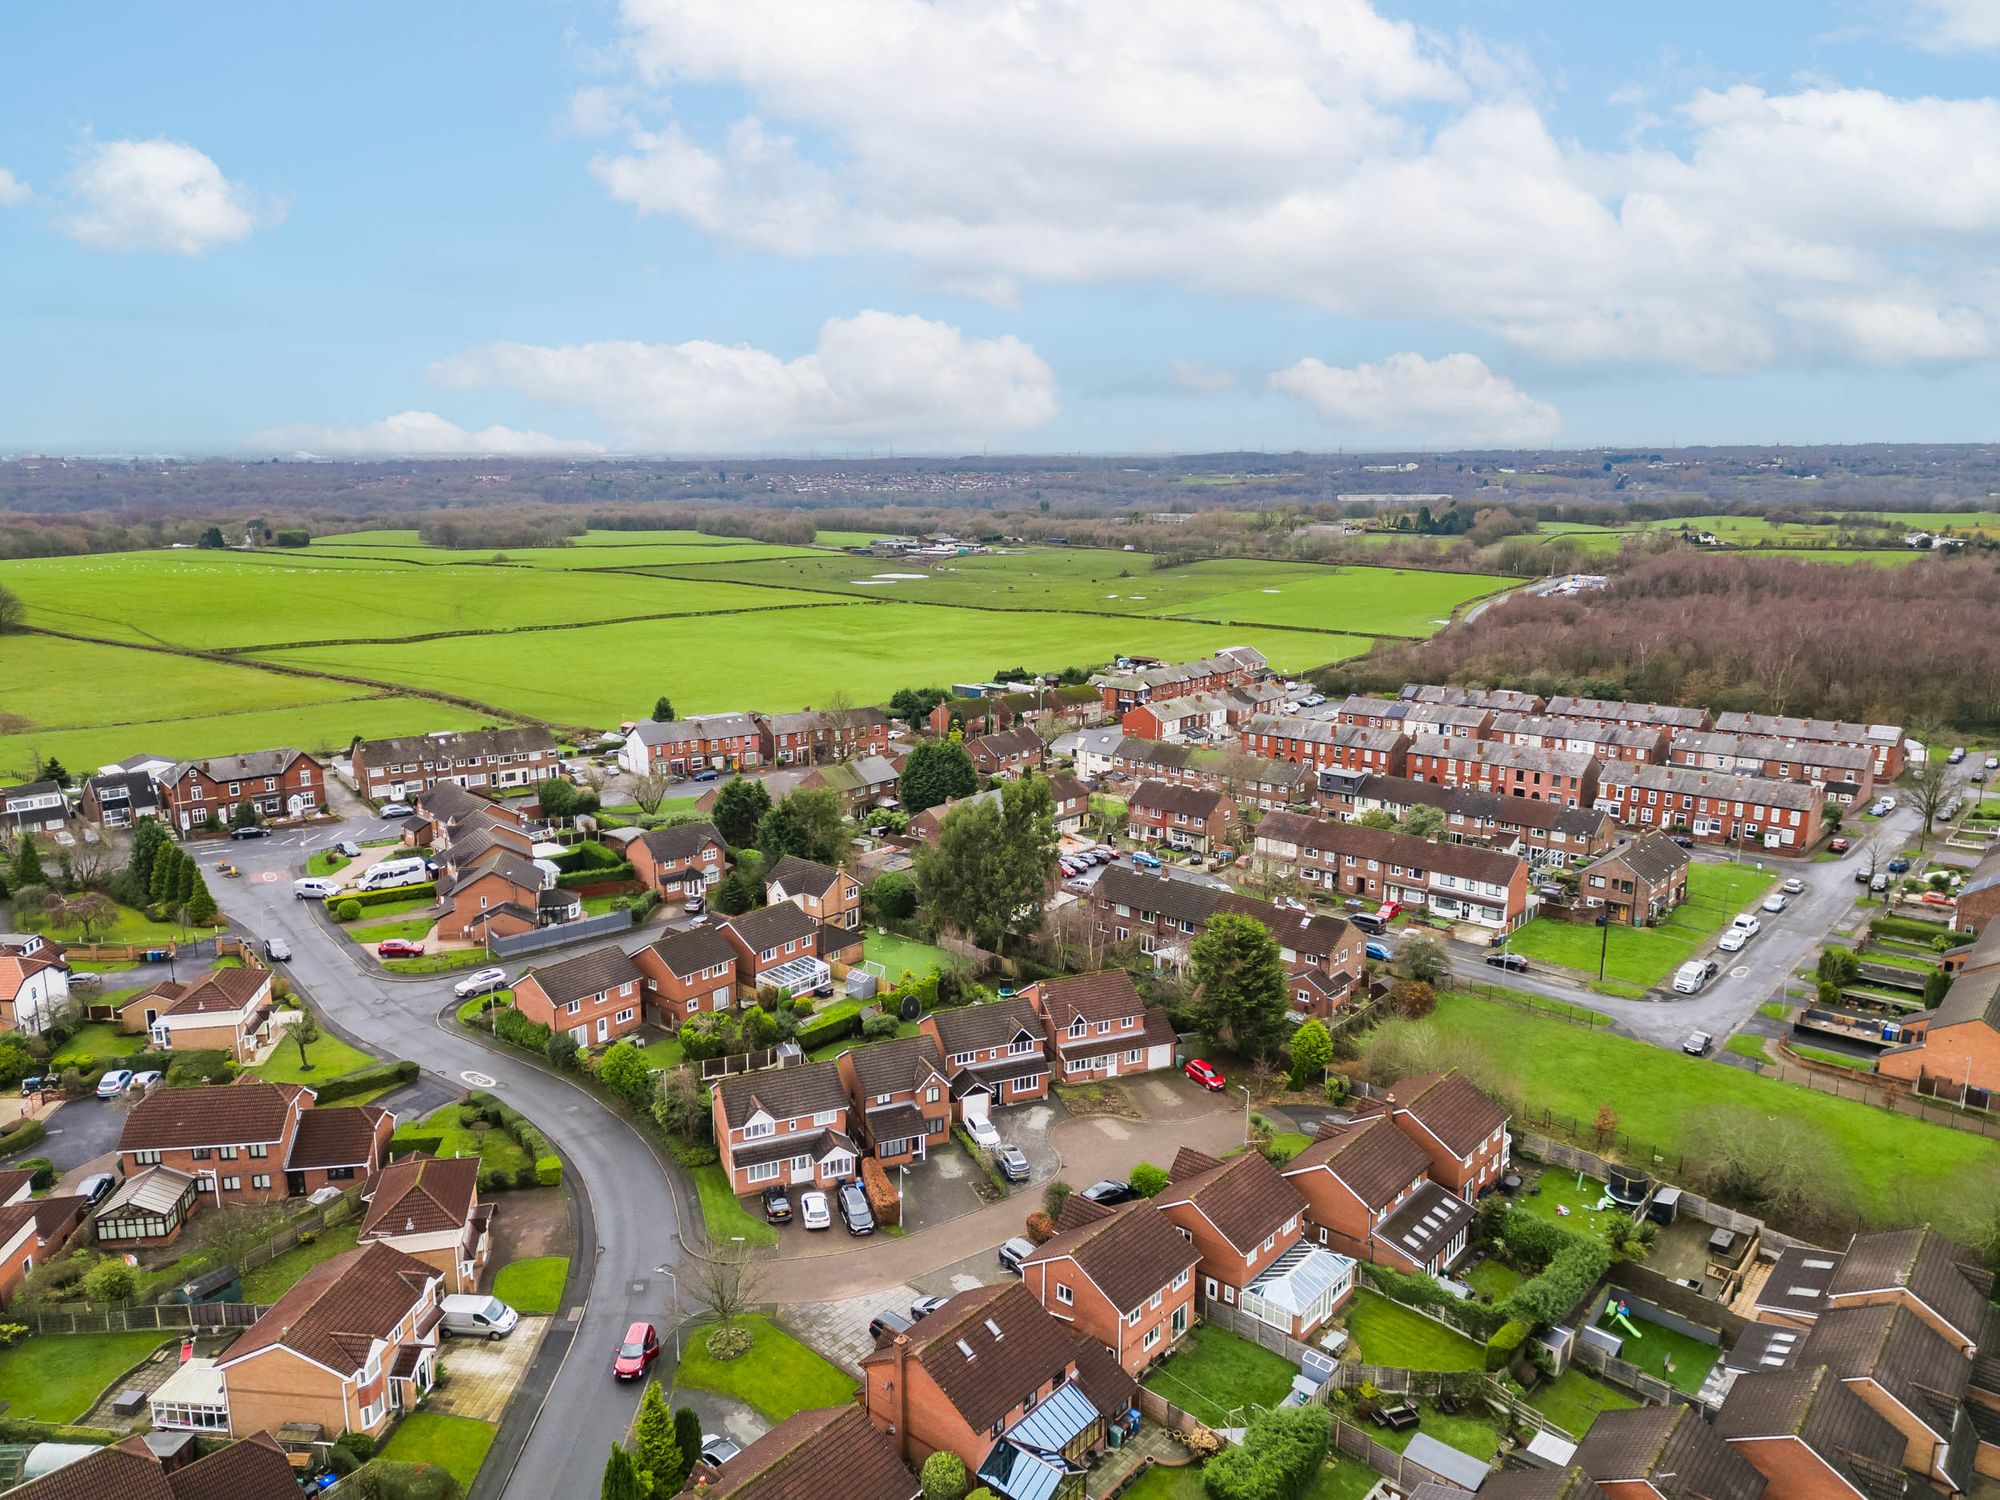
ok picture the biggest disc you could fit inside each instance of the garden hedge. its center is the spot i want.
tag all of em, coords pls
(1501, 1348)
(364, 1080)
(606, 875)
(1281, 1453)
(22, 1134)
(1571, 1265)
(393, 893)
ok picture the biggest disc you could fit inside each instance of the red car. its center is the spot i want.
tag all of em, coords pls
(398, 948)
(1836, 846)
(1205, 1075)
(641, 1346)
(1939, 898)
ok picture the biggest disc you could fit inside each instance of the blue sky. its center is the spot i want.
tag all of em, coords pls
(696, 226)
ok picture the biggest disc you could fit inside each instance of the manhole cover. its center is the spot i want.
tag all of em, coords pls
(479, 1080)
(637, 1287)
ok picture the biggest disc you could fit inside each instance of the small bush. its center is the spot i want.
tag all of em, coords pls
(548, 1170)
(1282, 1450)
(694, 1155)
(360, 1444)
(1041, 1228)
(883, 1198)
(44, 1172)
(1506, 1341)
(22, 1133)
(348, 910)
(878, 1028)
(517, 1030)
(1149, 1181)
(364, 1081)
(417, 1142)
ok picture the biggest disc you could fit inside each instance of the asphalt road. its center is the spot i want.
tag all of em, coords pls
(636, 1210)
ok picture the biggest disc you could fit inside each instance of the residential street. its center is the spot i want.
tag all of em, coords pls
(637, 1213)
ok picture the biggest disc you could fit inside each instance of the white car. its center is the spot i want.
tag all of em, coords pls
(146, 1080)
(1993, 762)
(983, 1134)
(114, 1083)
(479, 983)
(814, 1212)
(1793, 887)
(1732, 941)
(395, 810)
(1776, 901)
(1747, 924)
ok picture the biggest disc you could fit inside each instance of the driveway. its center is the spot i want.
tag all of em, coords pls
(82, 1130)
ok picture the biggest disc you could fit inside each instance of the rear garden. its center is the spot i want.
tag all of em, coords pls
(58, 1379)
(1213, 1375)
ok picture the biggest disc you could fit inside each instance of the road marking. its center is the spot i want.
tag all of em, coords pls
(478, 1080)
(1739, 971)
(267, 876)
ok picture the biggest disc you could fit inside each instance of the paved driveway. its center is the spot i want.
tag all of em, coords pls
(484, 1373)
(82, 1130)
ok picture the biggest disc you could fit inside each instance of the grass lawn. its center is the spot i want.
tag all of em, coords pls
(330, 1057)
(1467, 1433)
(1574, 1401)
(326, 862)
(723, 1212)
(1657, 1348)
(1495, 1278)
(270, 1281)
(1289, 1143)
(456, 1444)
(1387, 1333)
(134, 926)
(1558, 1189)
(1215, 1374)
(408, 927)
(1159, 1483)
(100, 1039)
(532, 1286)
(1342, 1480)
(896, 954)
(1645, 956)
(778, 1375)
(438, 963)
(1664, 1097)
(1834, 1059)
(493, 1146)
(1745, 1045)
(58, 1379)
(1774, 1010)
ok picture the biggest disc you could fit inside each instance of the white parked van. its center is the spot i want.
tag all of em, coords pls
(394, 872)
(314, 888)
(1690, 977)
(477, 1317)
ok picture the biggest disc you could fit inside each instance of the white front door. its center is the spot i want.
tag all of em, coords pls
(603, 1028)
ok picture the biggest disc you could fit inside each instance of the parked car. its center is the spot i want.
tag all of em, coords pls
(1898, 865)
(314, 888)
(813, 1210)
(114, 1083)
(1513, 963)
(1793, 887)
(1110, 1193)
(924, 1306)
(1777, 901)
(887, 1321)
(1205, 1074)
(1839, 845)
(1013, 1163)
(711, 774)
(1368, 922)
(476, 1316)
(1957, 755)
(1380, 951)
(1880, 883)
(148, 1079)
(1938, 898)
(479, 982)
(777, 1207)
(983, 1134)
(399, 948)
(1014, 1252)
(278, 950)
(854, 1210)
(34, 1083)
(1746, 923)
(395, 810)
(348, 848)
(636, 1352)
(1697, 1044)
(1690, 977)
(1993, 762)
(1145, 859)
(250, 831)
(1862, 877)
(97, 1186)
(1732, 941)
(695, 905)
(1684, 841)
(717, 1450)
(1710, 967)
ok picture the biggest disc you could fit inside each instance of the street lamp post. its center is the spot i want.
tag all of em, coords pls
(1245, 1092)
(1604, 947)
(674, 1282)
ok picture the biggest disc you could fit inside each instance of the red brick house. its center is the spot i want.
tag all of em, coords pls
(1883, 742)
(1602, 738)
(1715, 809)
(831, 897)
(683, 747)
(118, 799)
(396, 770)
(828, 1450)
(1369, 1195)
(430, 1209)
(678, 862)
(785, 1127)
(34, 1232)
(810, 737)
(901, 1097)
(685, 973)
(1100, 1028)
(1811, 1437)
(245, 1142)
(1072, 802)
(1005, 753)
(1233, 666)
(1461, 1130)
(448, 813)
(1122, 1276)
(1543, 833)
(1202, 717)
(1498, 700)
(1248, 1225)
(1671, 718)
(1566, 776)
(994, 1054)
(1452, 721)
(1371, 713)
(1848, 768)
(1639, 884)
(227, 1010)
(1327, 745)
(1664, 1453)
(767, 939)
(594, 997)
(496, 890)
(1181, 817)
(278, 784)
(1460, 881)
(34, 982)
(994, 1379)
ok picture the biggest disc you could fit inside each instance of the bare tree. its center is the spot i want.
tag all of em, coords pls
(1930, 788)
(90, 864)
(227, 1233)
(12, 611)
(649, 790)
(724, 1282)
(841, 719)
(87, 913)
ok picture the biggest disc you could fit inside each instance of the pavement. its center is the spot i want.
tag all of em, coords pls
(634, 1213)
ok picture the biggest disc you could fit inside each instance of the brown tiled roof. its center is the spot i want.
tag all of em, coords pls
(1178, 900)
(516, 869)
(236, 1114)
(783, 1093)
(818, 1144)
(772, 926)
(126, 1470)
(802, 876)
(1174, 797)
(253, 1469)
(1686, 781)
(1030, 1349)
(1451, 1107)
(1009, 743)
(1130, 1252)
(339, 1307)
(1371, 1156)
(1158, 1031)
(220, 992)
(238, 767)
(1385, 845)
(12, 1180)
(1943, 1275)
(1244, 1197)
(1902, 1353)
(682, 841)
(601, 969)
(1541, 1484)
(977, 1027)
(895, 1066)
(1812, 1405)
(421, 1195)
(1107, 995)
(695, 949)
(1673, 1448)
(817, 1455)
(337, 1137)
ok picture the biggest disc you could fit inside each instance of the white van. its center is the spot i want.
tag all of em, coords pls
(394, 872)
(314, 888)
(477, 1317)
(1690, 977)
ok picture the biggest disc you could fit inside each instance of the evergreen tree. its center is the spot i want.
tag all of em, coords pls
(656, 1451)
(27, 864)
(687, 1438)
(937, 771)
(186, 873)
(809, 824)
(165, 865)
(1239, 984)
(147, 837)
(621, 1478)
(201, 910)
(663, 709)
(1312, 1052)
(738, 808)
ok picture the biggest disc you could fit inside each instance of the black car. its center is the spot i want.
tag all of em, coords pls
(1684, 841)
(1369, 923)
(1110, 1193)
(777, 1207)
(1513, 963)
(854, 1210)
(709, 775)
(887, 1321)
(250, 831)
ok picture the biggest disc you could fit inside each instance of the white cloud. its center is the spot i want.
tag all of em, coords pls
(1193, 375)
(1956, 25)
(12, 189)
(415, 434)
(1455, 400)
(873, 377)
(159, 195)
(1324, 154)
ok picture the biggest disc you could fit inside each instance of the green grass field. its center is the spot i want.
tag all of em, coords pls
(1574, 1401)
(1664, 1097)
(1649, 955)
(778, 1375)
(456, 1444)
(532, 1286)
(1390, 1334)
(57, 1379)
(1682, 1362)
(1215, 1374)
(100, 1039)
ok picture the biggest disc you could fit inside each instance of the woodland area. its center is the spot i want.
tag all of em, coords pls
(1912, 645)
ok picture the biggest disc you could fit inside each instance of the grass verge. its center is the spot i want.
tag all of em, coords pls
(723, 1213)
(533, 1286)
(777, 1374)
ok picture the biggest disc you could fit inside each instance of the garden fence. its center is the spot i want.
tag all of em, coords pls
(713, 1068)
(199, 1317)
(1653, 1390)
(325, 1216)
(1256, 1330)
(605, 925)
(1352, 1442)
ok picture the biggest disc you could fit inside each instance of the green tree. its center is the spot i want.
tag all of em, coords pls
(893, 895)
(1149, 1181)
(623, 1069)
(52, 770)
(12, 610)
(937, 771)
(988, 873)
(304, 1032)
(663, 709)
(736, 893)
(738, 807)
(147, 838)
(201, 908)
(1239, 985)
(186, 873)
(160, 887)
(687, 1437)
(212, 539)
(913, 705)
(110, 1282)
(1937, 984)
(1930, 789)
(559, 797)
(1376, 817)
(561, 1049)
(27, 869)
(1312, 1052)
(245, 816)
(944, 1476)
(1423, 958)
(621, 1478)
(808, 824)
(1423, 821)
(656, 1452)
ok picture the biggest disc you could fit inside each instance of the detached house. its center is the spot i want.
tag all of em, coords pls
(785, 1127)
(995, 1054)
(254, 1469)
(901, 1096)
(492, 887)
(773, 945)
(686, 973)
(1181, 817)
(1123, 1276)
(1369, 1194)
(1072, 802)
(277, 784)
(398, 769)
(1460, 1129)
(34, 982)
(594, 997)
(829, 1450)
(37, 807)
(831, 897)
(225, 1010)
(1099, 1027)
(1248, 1225)
(1812, 1438)
(678, 862)
(430, 1209)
